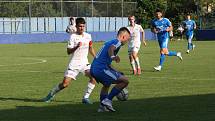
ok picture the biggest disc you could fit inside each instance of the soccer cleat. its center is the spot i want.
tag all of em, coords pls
(108, 104)
(48, 98)
(86, 101)
(139, 71)
(193, 47)
(157, 68)
(102, 109)
(188, 51)
(179, 56)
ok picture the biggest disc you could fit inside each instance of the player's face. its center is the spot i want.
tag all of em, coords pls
(188, 17)
(131, 20)
(158, 15)
(80, 28)
(125, 38)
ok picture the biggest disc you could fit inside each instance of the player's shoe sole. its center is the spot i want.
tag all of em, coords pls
(102, 109)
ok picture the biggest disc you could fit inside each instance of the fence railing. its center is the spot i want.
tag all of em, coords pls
(58, 24)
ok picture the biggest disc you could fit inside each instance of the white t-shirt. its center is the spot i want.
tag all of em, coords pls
(135, 35)
(79, 57)
(71, 29)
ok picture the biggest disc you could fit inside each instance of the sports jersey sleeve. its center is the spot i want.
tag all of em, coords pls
(141, 28)
(90, 42)
(117, 44)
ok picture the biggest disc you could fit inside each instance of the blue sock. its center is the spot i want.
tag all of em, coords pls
(113, 93)
(162, 58)
(103, 96)
(172, 53)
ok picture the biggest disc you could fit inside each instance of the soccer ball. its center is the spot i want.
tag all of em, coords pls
(123, 95)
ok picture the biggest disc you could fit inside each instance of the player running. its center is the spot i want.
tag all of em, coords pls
(79, 45)
(189, 26)
(134, 44)
(104, 73)
(161, 26)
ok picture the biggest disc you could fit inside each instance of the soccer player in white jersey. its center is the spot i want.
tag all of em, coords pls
(71, 28)
(134, 44)
(79, 45)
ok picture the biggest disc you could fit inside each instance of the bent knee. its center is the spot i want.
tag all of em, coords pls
(164, 51)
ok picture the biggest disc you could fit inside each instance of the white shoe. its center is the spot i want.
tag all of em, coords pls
(179, 56)
(193, 47)
(157, 68)
(108, 104)
(102, 109)
(188, 51)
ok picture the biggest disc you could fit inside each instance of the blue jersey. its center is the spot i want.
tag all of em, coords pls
(189, 26)
(161, 26)
(102, 59)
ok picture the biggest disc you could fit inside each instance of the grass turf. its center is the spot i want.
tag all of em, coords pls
(182, 91)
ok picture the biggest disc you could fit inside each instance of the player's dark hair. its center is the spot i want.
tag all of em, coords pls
(158, 10)
(80, 21)
(123, 29)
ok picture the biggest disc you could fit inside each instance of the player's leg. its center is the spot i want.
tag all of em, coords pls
(113, 77)
(68, 77)
(103, 95)
(89, 88)
(65, 83)
(132, 61)
(136, 59)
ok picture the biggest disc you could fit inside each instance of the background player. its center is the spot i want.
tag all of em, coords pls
(134, 44)
(71, 28)
(79, 45)
(161, 26)
(104, 73)
(189, 26)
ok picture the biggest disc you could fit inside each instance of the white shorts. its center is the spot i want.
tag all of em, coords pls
(72, 73)
(133, 49)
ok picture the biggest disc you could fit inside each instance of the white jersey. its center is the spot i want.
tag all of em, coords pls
(71, 29)
(135, 35)
(79, 57)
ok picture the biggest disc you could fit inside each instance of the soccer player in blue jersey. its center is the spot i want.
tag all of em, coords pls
(104, 73)
(161, 26)
(189, 26)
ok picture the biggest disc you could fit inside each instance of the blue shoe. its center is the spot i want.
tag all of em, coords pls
(48, 98)
(86, 101)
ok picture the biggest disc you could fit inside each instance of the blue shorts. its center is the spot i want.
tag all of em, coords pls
(106, 76)
(163, 43)
(189, 35)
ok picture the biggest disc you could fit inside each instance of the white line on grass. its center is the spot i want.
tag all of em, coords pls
(39, 61)
(177, 78)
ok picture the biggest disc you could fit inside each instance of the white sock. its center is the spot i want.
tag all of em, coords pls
(89, 90)
(137, 62)
(133, 65)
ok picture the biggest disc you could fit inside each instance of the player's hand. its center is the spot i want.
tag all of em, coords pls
(116, 58)
(79, 44)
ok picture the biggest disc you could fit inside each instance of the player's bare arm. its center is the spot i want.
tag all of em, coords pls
(92, 51)
(170, 28)
(72, 50)
(111, 54)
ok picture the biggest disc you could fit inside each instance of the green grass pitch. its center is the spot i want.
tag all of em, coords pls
(182, 91)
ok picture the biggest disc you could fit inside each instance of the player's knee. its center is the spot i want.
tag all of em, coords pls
(66, 82)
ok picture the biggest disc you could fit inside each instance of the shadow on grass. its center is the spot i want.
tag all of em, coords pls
(183, 108)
